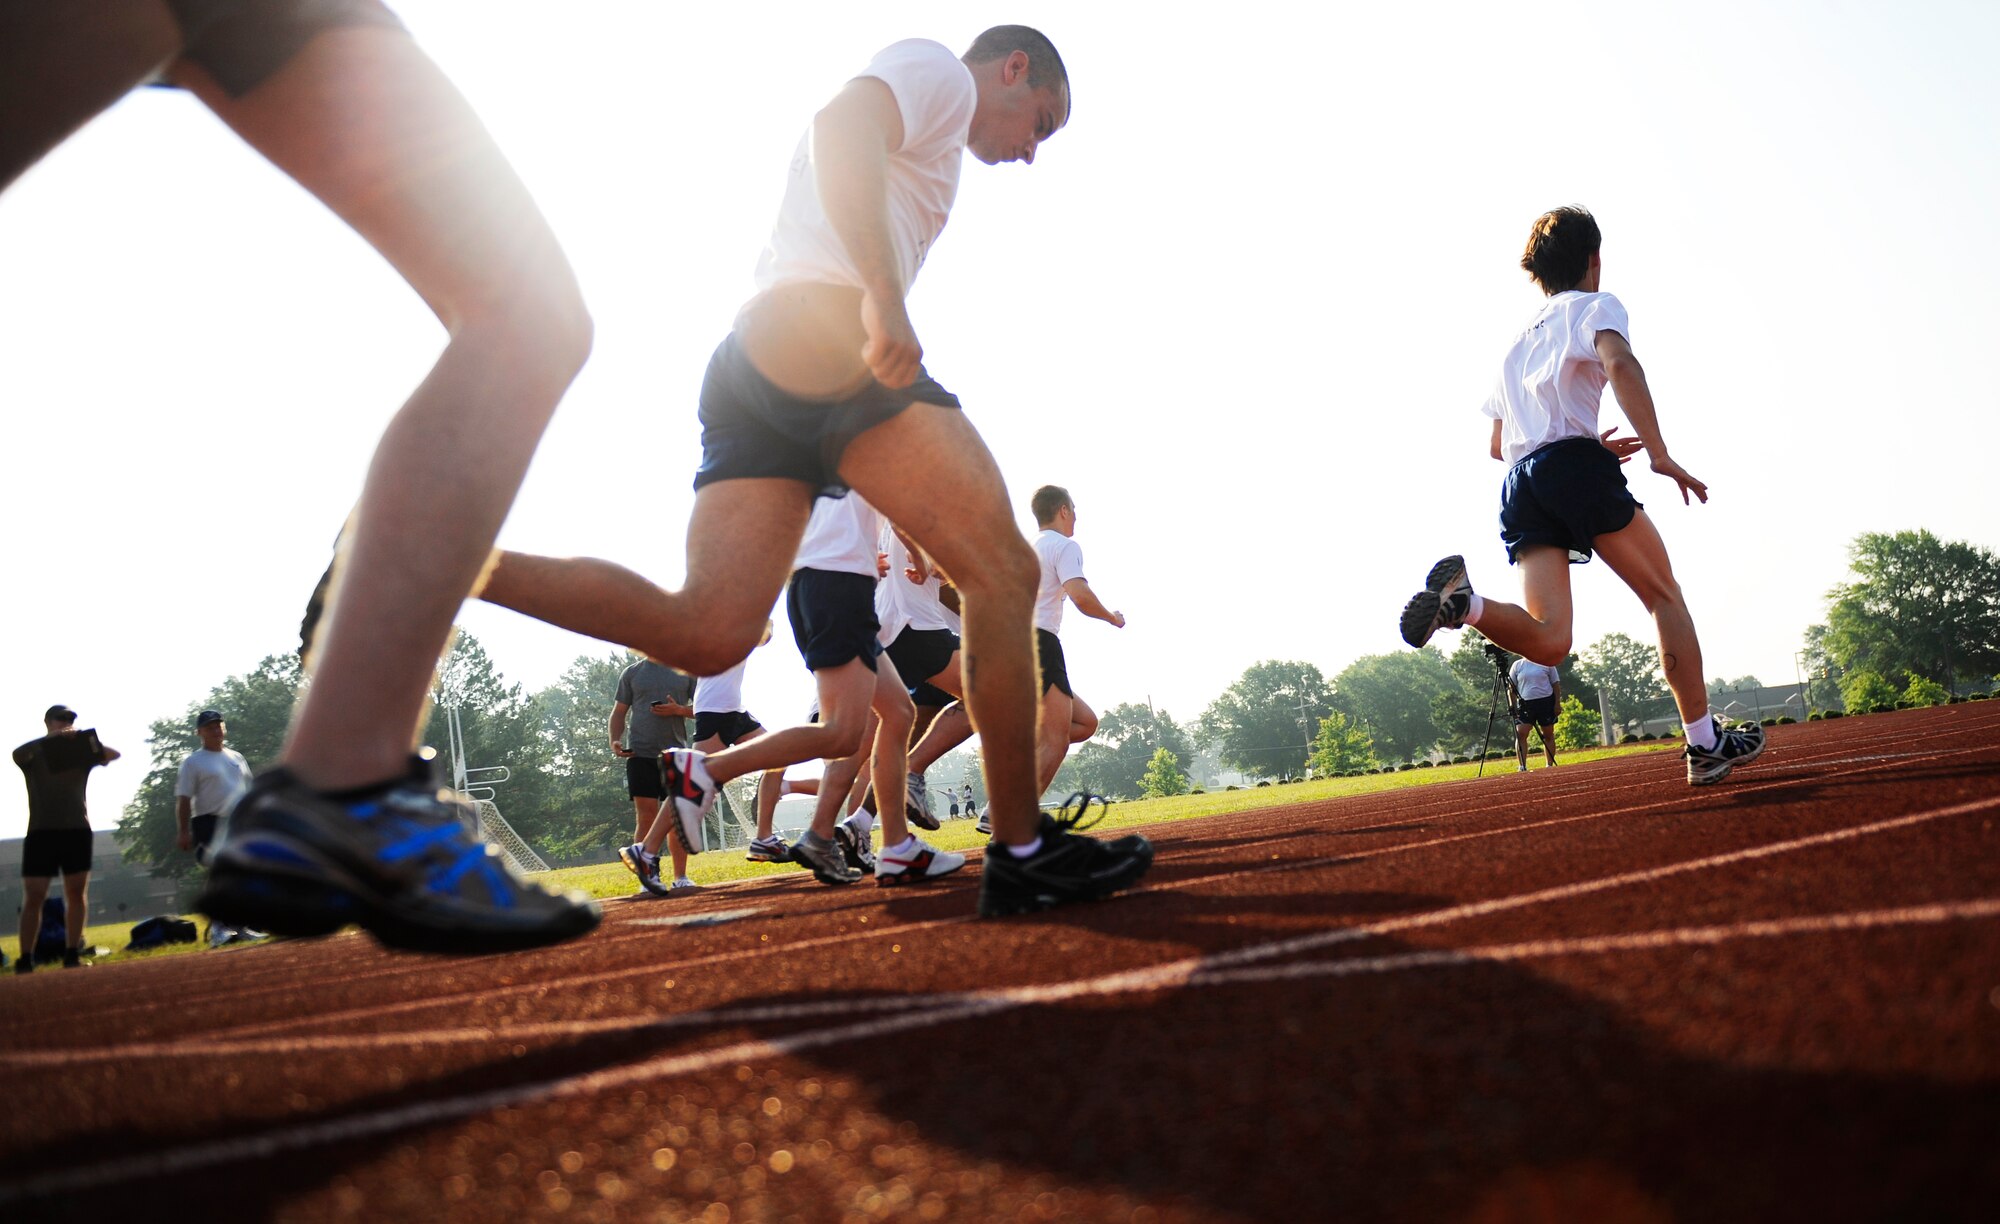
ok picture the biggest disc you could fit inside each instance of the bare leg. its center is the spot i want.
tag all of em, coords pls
(742, 537)
(1521, 745)
(952, 727)
(1639, 556)
(34, 891)
(645, 811)
(838, 782)
(894, 714)
(362, 119)
(1548, 733)
(1053, 741)
(1082, 720)
(1541, 631)
(76, 903)
(930, 472)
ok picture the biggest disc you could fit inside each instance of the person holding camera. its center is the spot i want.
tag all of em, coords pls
(1535, 692)
(59, 839)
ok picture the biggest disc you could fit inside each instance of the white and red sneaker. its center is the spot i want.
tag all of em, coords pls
(913, 862)
(692, 794)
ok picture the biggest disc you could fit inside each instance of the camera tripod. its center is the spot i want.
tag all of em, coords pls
(1498, 658)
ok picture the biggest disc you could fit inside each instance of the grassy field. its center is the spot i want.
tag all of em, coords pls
(612, 880)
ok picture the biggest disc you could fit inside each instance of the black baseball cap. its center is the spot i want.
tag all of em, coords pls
(59, 713)
(206, 717)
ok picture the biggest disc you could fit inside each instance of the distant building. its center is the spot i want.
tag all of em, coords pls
(119, 891)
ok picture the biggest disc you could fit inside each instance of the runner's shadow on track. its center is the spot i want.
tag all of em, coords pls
(1482, 1091)
(1804, 784)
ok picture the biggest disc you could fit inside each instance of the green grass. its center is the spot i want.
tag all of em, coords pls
(612, 880)
(112, 935)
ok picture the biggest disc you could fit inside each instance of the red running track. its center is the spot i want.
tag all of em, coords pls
(1588, 993)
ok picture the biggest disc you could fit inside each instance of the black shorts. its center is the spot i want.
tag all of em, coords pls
(243, 42)
(920, 654)
(1055, 669)
(929, 696)
(730, 726)
(749, 428)
(46, 853)
(201, 829)
(1537, 711)
(1566, 495)
(833, 618)
(642, 777)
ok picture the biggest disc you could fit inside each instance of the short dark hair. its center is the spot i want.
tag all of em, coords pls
(1047, 500)
(1045, 65)
(1560, 247)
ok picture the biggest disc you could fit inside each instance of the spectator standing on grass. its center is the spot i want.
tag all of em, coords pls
(211, 779)
(1536, 689)
(1564, 496)
(649, 715)
(59, 839)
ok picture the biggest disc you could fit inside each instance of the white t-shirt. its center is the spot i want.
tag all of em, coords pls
(212, 780)
(1552, 380)
(1062, 560)
(721, 694)
(841, 536)
(936, 95)
(1532, 679)
(901, 604)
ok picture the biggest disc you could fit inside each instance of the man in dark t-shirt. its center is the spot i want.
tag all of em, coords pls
(57, 767)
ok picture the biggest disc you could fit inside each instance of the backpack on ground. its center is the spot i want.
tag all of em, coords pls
(159, 932)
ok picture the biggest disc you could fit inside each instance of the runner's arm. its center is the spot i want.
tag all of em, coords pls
(1628, 380)
(852, 137)
(1087, 602)
(618, 709)
(1494, 449)
(183, 815)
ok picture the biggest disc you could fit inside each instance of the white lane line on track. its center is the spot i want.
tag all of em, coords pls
(657, 968)
(1406, 806)
(1169, 974)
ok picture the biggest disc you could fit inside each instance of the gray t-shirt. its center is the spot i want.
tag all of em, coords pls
(57, 767)
(643, 683)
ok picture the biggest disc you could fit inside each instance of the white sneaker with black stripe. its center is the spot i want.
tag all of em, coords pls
(1733, 746)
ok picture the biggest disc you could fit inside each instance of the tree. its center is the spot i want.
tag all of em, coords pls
(1822, 679)
(1718, 686)
(1340, 747)
(1260, 723)
(1577, 726)
(1628, 675)
(500, 730)
(1918, 606)
(583, 788)
(1924, 692)
(1866, 691)
(258, 708)
(1392, 697)
(1163, 776)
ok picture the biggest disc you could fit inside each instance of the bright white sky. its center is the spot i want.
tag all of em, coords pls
(1246, 307)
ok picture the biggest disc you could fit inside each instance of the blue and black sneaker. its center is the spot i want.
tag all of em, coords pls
(1067, 867)
(1444, 603)
(403, 862)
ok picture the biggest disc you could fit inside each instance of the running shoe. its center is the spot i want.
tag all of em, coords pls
(917, 806)
(914, 864)
(984, 825)
(682, 886)
(401, 861)
(1068, 866)
(857, 845)
(73, 959)
(1442, 604)
(1733, 746)
(692, 794)
(770, 849)
(644, 864)
(824, 859)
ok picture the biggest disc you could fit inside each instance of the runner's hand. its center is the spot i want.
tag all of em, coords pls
(1680, 476)
(1624, 448)
(185, 841)
(892, 352)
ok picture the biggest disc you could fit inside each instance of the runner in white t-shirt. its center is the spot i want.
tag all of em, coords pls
(863, 709)
(1065, 718)
(1536, 689)
(821, 385)
(1565, 498)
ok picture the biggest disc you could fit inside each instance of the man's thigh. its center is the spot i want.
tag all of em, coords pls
(931, 473)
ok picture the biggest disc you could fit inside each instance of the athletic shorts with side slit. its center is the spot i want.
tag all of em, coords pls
(242, 43)
(751, 429)
(732, 727)
(833, 618)
(920, 654)
(1055, 668)
(1564, 495)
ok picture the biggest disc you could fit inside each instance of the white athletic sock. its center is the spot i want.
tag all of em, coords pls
(1028, 851)
(1701, 732)
(904, 848)
(862, 821)
(1475, 608)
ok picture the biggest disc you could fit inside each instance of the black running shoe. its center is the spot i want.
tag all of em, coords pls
(404, 863)
(1068, 867)
(1733, 746)
(1442, 604)
(824, 858)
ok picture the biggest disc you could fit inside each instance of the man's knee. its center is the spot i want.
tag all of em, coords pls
(1008, 573)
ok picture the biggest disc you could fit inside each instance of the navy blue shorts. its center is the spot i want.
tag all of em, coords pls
(920, 654)
(243, 42)
(833, 618)
(1536, 712)
(750, 428)
(930, 696)
(1565, 495)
